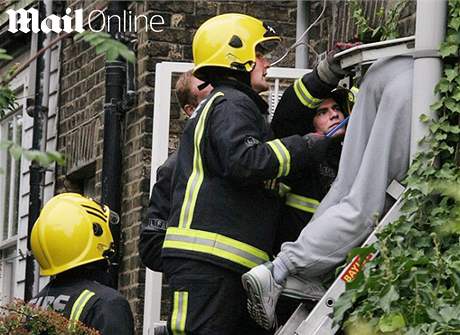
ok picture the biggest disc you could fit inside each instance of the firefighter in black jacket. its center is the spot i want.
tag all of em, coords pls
(154, 227)
(304, 191)
(72, 241)
(223, 219)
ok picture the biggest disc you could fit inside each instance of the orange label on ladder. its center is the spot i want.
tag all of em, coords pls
(353, 269)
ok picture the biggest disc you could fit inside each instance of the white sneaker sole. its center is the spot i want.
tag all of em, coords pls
(255, 306)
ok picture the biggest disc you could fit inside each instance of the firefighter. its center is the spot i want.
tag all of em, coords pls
(72, 242)
(223, 218)
(304, 191)
(153, 230)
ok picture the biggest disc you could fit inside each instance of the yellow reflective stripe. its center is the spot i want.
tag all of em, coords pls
(303, 203)
(179, 314)
(216, 245)
(79, 304)
(196, 178)
(305, 96)
(283, 156)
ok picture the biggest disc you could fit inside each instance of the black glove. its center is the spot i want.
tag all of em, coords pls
(329, 69)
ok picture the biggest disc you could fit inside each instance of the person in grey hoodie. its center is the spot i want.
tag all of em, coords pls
(375, 152)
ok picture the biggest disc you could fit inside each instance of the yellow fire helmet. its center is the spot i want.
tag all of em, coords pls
(71, 230)
(229, 41)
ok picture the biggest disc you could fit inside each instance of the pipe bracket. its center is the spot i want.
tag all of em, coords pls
(426, 53)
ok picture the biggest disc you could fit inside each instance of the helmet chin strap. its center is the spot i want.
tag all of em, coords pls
(203, 85)
(109, 255)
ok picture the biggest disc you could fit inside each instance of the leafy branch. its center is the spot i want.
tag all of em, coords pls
(21, 318)
(103, 44)
(387, 26)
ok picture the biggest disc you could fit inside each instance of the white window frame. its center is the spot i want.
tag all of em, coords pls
(10, 177)
(160, 140)
(9, 245)
(7, 272)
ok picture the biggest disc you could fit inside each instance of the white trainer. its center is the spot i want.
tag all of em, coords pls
(263, 292)
(302, 289)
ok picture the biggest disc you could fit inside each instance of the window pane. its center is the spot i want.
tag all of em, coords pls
(7, 274)
(17, 176)
(10, 130)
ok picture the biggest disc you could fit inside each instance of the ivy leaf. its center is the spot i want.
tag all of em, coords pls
(43, 159)
(451, 74)
(392, 322)
(386, 300)
(455, 23)
(105, 44)
(343, 304)
(443, 86)
(449, 313)
(127, 54)
(5, 57)
(452, 105)
(15, 151)
(359, 327)
(456, 94)
(111, 53)
(5, 144)
(433, 314)
(424, 118)
(55, 156)
(448, 49)
(437, 105)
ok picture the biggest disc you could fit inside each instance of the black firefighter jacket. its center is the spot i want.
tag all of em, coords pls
(153, 227)
(95, 305)
(221, 211)
(294, 115)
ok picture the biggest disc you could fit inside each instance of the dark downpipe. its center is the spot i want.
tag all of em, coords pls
(112, 159)
(36, 171)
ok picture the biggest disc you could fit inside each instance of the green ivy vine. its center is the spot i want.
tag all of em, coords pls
(386, 26)
(413, 286)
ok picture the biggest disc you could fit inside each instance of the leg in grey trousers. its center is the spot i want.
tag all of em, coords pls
(376, 151)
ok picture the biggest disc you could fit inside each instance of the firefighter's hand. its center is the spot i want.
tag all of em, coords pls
(329, 69)
(312, 138)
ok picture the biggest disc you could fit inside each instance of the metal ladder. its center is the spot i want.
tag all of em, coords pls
(320, 320)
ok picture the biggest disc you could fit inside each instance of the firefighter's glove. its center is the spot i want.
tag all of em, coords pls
(329, 69)
(312, 138)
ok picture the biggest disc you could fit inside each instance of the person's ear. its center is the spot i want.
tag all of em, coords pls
(188, 109)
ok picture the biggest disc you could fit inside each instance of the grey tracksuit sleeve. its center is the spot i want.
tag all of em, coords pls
(375, 151)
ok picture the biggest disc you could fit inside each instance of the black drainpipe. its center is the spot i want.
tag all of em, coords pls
(36, 171)
(112, 159)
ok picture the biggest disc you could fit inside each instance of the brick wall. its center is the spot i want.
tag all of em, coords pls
(82, 97)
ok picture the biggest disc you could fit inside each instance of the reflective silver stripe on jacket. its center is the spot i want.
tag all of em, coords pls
(196, 177)
(303, 203)
(214, 244)
(305, 96)
(283, 156)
